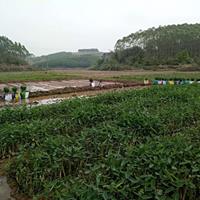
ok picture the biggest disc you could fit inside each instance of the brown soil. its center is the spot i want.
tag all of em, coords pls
(2, 167)
(107, 85)
(45, 86)
(80, 93)
(14, 191)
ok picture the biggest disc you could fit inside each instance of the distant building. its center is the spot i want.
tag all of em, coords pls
(88, 51)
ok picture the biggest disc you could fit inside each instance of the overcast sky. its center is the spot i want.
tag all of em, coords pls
(48, 26)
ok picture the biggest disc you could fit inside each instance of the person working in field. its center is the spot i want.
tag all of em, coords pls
(146, 81)
(92, 83)
(164, 81)
(100, 83)
(171, 82)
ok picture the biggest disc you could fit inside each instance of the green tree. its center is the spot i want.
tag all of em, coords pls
(12, 52)
(173, 45)
(183, 57)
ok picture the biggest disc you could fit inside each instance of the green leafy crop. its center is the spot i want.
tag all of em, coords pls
(136, 144)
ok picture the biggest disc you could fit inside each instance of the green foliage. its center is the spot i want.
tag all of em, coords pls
(165, 45)
(12, 53)
(23, 88)
(6, 90)
(140, 144)
(33, 75)
(64, 59)
(130, 56)
(183, 57)
(14, 90)
(15, 68)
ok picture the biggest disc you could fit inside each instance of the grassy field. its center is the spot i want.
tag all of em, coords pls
(162, 75)
(86, 74)
(136, 144)
(6, 77)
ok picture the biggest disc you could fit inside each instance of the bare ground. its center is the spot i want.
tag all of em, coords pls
(67, 89)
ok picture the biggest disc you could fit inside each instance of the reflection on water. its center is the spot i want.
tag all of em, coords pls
(46, 101)
(38, 102)
(15, 103)
(4, 189)
(49, 101)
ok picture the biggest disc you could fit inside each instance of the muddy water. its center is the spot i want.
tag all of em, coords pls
(49, 101)
(4, 189)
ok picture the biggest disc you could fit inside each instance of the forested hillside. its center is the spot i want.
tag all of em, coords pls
(165, 45)
(67, 59)
(12, 52)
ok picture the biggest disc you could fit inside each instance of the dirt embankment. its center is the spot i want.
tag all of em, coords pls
(52, 97)
(49, 90)
(66, 90)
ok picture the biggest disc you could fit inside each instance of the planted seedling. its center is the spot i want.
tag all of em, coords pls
(23, 92)
(6, 90)
(14, 90)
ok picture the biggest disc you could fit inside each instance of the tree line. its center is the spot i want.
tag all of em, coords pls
(12, 52)
(165, 45)
(66, 59)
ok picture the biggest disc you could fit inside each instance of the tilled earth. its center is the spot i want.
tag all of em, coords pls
(48, 92)
(53, 85)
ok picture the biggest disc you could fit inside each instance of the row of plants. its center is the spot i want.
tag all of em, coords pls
(163, 168)
(119, 168)
(143, 115)
(14, 93)
(126, 145)
(9, 115)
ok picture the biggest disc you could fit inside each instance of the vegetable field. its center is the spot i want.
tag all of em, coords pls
(137, 144)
